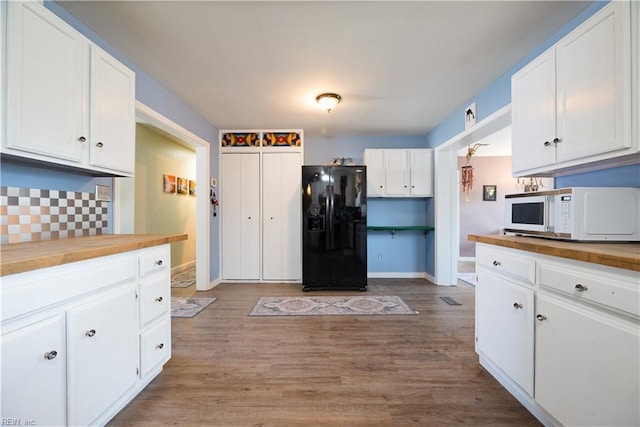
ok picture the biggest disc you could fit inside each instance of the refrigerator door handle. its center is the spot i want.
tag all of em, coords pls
(330, 239)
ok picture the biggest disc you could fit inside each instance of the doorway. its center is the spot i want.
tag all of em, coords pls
(447, 206)
(124, 194)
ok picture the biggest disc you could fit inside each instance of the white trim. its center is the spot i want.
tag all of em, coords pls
(147, 115)
(446, 194)
(397, 275)
(467, 259)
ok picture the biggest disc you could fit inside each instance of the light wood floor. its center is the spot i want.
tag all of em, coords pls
(229, 369)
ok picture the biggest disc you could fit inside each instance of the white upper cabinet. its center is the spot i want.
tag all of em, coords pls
(45, 84)
(67, 101)
(399, 172)
(112, 112)
(571, 106)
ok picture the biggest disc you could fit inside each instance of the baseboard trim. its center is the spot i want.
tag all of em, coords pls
(183, 267)
(396, 275)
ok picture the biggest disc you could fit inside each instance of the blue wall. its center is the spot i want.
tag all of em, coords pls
(148, 91)
(406, 253)
(498, 95)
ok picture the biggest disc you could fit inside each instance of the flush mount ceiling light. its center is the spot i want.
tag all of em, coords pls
(328, 100)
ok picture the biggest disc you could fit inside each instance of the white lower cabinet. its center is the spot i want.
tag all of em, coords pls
(587, 365)
(573, 359)
(98, 332)
(504, 326)
(34, 373)
(103, 352)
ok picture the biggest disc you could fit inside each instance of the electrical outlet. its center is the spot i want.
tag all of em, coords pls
(103, 193)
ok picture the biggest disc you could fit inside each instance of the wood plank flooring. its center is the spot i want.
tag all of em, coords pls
(229, 369)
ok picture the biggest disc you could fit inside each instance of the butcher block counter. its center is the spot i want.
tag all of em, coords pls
(23, 257)
(620, 255)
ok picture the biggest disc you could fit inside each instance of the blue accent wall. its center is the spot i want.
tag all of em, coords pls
(498, 95)
(406, 253)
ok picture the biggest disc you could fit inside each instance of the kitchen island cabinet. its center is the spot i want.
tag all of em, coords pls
(575, 358)
(83, 337)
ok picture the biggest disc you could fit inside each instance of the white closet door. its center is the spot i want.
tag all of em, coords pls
(240, 210)
(281, 216)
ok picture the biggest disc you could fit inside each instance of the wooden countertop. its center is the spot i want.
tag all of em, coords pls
(621, 255)
(22, 257)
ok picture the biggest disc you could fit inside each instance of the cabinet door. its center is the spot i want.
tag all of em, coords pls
(421, 175)
(103, 353)
(504, 326)
(586, 368)
(374, 160)
(44, 84)
(281, 181)
(397, 172)
(34, 372)
(112, 107)
(240, 191)
(533, 114)
(593, 86)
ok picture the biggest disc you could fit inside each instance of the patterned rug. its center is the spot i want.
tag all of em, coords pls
(469, 278)
(184, 279)
(330, 306)
(189, 307)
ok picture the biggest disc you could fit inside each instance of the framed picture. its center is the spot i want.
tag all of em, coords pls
(169, 183)
(192, 187)
(489, 193)
(183, 186)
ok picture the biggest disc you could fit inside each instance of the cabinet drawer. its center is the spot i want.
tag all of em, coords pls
(506, 262)
(156, 259)
(155, 298)
(155, 345)
(592, 286)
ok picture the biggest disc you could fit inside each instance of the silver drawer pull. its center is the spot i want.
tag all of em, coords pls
(496, 263)
(159, 299)
(50, 355)
(581, 288)
(541, 317)
(160, 346)
(90, 333)
(159, 262)
(517, 305)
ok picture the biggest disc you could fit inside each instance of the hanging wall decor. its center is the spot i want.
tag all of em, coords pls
(467, 171)
(168, 183)
(183, 186)
(489, 193)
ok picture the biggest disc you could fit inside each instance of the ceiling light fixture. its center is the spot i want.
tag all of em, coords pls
(328, 100)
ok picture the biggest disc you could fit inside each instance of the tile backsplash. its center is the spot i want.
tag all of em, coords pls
(32, 214)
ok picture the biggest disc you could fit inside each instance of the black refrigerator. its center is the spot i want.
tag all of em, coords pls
(334, 228)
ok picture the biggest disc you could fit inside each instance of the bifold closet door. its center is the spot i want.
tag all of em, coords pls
(240, 214)
(282, 176)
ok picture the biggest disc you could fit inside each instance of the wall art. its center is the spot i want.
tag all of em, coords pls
(168, 183)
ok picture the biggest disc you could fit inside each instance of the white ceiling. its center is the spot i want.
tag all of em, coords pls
(400, 67)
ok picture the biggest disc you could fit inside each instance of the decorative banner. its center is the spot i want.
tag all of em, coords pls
(247, 139)
(169, 183)
(291, 139)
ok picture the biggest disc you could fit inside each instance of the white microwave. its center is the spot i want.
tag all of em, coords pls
(576, 213)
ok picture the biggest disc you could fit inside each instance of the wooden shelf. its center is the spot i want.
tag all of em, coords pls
(395, 228)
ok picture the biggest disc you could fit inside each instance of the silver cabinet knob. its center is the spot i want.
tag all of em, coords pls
(159, 262)
(496, 263)
(160, 346)
(547, 143)
(159, 299)
(99, 145)
(517, 305)
(82, 139)
(556, 140)
(50, 355)
(541, 317)
(90, 333)
(581, 288)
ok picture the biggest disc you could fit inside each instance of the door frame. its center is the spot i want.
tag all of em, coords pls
(124, 199)
(447, 200)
